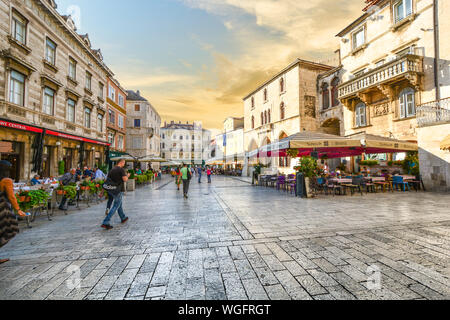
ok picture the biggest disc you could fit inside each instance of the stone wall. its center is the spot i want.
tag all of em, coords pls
(434, 162)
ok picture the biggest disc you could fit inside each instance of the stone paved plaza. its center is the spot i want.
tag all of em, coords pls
(234, 241)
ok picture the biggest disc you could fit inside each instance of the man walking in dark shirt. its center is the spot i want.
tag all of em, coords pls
(119, 177)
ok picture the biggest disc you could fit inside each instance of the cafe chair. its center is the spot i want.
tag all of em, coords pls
(397, 182)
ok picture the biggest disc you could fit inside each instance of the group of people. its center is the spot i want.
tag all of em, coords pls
(184, 175)
(87, 172)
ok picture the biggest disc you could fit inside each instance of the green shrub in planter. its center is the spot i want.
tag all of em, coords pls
(308, 166)
(369, 163)
(61, 168)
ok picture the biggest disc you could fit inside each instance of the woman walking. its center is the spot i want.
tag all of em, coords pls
(178, 176)
(8, 223)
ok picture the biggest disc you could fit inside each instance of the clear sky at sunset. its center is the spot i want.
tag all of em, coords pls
(197, 59)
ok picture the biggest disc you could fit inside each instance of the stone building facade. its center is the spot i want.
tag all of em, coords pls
(434, 116)
(228, 147)
(52, 91)
(384, 54)
(143, 128)
(329, 108)
(185, 143)
(390, 68)
(282, 106)
(116, 119)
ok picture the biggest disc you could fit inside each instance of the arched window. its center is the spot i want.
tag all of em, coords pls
(334, 92)
(282, 111)
(268, 116)
(281, 85)
(253, 122)
(407, 103)
(262, 118)
(265, 117)
(253, 102)
(325, 96)
(265, 94)
(360, 115)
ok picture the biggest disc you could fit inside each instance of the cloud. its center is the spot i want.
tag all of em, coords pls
(131, 80)
(268, 35)
(265, 36)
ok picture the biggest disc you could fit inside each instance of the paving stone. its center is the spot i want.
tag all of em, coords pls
(254, 289)
(323, 278)
(235, 241)
(244, 269)
(154, 292)
(311, 285)
(277, 292)
(233, 286)
(294, 268)
(292, 287)
(273, 263)
(214, 287)
(266, 276)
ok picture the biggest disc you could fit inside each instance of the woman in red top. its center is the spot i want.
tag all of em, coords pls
(8, 223)
(209, 173)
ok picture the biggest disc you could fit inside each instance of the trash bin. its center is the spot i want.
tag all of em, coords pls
(301, 186)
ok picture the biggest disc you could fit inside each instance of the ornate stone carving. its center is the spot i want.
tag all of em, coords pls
(16, 111)
(387, 91)
(364, 97)
(414, 79)
(381, 110)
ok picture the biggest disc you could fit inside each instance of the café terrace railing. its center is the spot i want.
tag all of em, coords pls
(433, 113)
(401, 66)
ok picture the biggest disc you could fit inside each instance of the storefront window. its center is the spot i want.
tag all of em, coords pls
(12, 152)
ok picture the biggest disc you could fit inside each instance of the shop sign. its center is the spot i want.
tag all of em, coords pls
(19, 126)
(68, 136)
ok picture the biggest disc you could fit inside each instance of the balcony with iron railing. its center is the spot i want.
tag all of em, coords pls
(389, 72)
(433, 113)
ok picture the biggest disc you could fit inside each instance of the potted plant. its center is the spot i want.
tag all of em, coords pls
(70, 191)
(131, 183)
(411, 163)
(38, 197)
(308, 166)
(61, 168)
(23, 196)
(85, 185)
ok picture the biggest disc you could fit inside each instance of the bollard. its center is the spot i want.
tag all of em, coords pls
(301, 186)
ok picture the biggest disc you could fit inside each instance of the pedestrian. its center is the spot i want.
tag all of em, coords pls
(35, 180)
(209, 173)
(178, 178)
(118, 177)
(69, 178)
(199, 171)
(8, 222)
(99, 174)
(186, 176)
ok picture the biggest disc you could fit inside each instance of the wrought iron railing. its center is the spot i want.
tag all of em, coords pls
(432, 113)
(402, 65)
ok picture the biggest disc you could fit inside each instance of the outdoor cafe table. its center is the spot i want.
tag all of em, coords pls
(346, 180)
